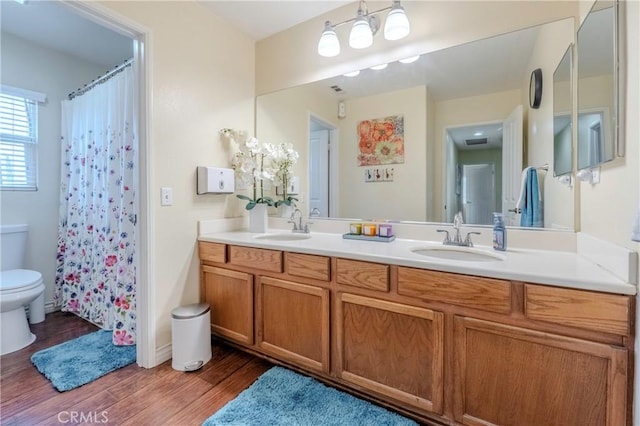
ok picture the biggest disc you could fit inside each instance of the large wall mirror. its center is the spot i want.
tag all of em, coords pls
(455, 126)
(562, 120)
(598, 109)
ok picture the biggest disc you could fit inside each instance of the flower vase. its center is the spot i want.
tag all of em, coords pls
(258, 219)
(285, 211)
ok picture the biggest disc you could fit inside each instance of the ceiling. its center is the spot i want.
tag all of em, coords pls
(261, 19)
(52, 24)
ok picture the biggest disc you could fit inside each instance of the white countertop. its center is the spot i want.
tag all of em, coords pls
(556, 268)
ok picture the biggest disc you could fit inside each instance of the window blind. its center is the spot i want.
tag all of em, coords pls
(18, 140)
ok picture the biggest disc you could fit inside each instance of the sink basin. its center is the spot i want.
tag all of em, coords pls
(283, 237)
(465, 254)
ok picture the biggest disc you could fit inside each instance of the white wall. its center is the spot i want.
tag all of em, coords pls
(284, 117)
(401, 200)
(608, 208)
(551, 45)
(34, 67)
(202, 79)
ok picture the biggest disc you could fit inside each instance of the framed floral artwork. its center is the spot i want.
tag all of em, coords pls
(381, 141)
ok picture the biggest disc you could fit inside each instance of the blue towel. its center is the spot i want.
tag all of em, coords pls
(532, 209)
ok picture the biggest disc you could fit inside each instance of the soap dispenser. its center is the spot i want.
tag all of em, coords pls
(499, 233)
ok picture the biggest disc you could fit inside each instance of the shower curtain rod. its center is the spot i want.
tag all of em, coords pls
(101, 79)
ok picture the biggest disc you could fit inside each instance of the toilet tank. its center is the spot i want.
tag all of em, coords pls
(13, 240)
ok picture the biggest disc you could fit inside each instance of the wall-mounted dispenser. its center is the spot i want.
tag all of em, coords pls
(214, 180)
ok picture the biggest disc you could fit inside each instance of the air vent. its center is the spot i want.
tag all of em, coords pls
(480, 141)
(336, 89)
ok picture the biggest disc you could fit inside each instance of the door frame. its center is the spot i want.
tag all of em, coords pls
(145, 292)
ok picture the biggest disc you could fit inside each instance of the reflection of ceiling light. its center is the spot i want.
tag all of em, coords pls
(352, 73)
(379, 67)
(410, 59)
(365, 26)
(478, 134)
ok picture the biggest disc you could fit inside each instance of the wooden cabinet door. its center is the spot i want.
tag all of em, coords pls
(392, 349)
(293, 322)
(512, 376)
(230, 295)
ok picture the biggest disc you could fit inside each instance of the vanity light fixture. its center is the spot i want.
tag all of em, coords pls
(352, 73)
(328, 45)
(365, 25)
(379, 67)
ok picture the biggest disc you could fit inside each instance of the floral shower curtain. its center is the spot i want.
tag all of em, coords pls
(96, 271)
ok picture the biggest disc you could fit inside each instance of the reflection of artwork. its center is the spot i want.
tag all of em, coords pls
(381, 141)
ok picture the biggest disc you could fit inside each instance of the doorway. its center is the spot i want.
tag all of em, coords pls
(478, 193)
(79, 19)
(322, 193)
(496, 145)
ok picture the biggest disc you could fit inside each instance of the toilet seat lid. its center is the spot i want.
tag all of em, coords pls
(19, 279)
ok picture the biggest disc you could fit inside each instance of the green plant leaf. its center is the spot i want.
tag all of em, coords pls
(243, 197)
(251, 205)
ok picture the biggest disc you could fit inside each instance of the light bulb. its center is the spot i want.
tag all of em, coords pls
(329, 45)
(379, 67)
(361, 35)
(397, 24)
(410, 59)
(352, 73)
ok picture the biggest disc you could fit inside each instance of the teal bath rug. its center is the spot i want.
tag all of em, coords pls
(282, 397)
(82, 360)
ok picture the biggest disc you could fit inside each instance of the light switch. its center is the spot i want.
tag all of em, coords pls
(166, 196)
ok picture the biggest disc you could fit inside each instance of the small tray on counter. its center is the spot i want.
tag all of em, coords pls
(348, 236)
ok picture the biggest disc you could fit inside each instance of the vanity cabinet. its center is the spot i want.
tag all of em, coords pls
(507, 375)
(230, 295)
(293, 322)
(391, 349)
(442, 347)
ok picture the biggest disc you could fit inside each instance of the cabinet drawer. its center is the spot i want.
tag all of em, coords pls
(308, 266)
(578, 308)
(372, 276)
(213, 252)
(267, 260)
(463, 290)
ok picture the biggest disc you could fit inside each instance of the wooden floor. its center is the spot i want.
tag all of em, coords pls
(130, 395)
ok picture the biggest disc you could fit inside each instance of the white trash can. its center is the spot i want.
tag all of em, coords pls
(190, 336)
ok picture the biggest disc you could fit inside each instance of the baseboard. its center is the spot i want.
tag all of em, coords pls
(51, 307)
(163, 353)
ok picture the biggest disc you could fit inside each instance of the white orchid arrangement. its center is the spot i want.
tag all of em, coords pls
(256, 162)
(285, 157)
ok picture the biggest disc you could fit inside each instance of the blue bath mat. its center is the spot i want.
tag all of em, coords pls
(82, 360)
(282, 397)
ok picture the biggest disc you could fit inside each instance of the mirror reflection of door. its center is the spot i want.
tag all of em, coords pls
(319, 166)
(478, 193)
(496, 143)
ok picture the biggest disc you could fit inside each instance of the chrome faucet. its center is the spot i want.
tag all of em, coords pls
(457, 238)
(297, 226)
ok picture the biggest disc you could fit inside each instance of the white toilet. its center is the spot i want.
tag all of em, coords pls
(18, 288)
